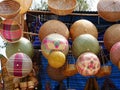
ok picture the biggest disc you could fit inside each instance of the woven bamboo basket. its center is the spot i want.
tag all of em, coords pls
(25, 5)
(9, 8)
(109, 10)
(62, 7)
(53, 26)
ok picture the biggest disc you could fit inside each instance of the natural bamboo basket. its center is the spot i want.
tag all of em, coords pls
(9, 8)
(53, 26)
(25, 5)
(109, 10)
(23, 85)
(62, 7)
(31, 85)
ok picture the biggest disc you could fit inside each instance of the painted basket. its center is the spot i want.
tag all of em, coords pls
(11, 30)
(19, 65)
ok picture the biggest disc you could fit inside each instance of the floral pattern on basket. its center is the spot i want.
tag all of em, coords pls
(54, 42)
(88, 64)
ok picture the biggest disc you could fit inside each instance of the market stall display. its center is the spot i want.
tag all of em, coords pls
(52, 61)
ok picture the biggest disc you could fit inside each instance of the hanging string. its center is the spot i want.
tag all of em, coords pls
(34, 16)
(105, 57)
(102, 55)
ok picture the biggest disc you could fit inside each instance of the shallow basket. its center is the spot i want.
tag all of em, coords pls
(62, 7)
(9, 8)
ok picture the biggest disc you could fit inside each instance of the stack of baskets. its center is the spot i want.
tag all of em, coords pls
(12, 32)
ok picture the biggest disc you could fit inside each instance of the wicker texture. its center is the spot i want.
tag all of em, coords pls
(9, 8)
(8, 80)
(62, 7)
(10, 30)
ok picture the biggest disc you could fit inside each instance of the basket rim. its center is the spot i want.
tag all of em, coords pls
(63, 9)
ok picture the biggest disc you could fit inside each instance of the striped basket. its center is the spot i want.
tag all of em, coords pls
(10, 30)
(19, 65)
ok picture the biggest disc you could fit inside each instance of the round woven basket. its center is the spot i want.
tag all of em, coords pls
(62, 7)
(10, 30)
(19, 65)
(53, 26)
(23, 45)
(9, 8)
(109, 10)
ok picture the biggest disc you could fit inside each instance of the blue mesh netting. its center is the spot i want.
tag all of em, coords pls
(77, 81)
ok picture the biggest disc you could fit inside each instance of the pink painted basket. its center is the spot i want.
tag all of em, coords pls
(19, 65)
(10, 30)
